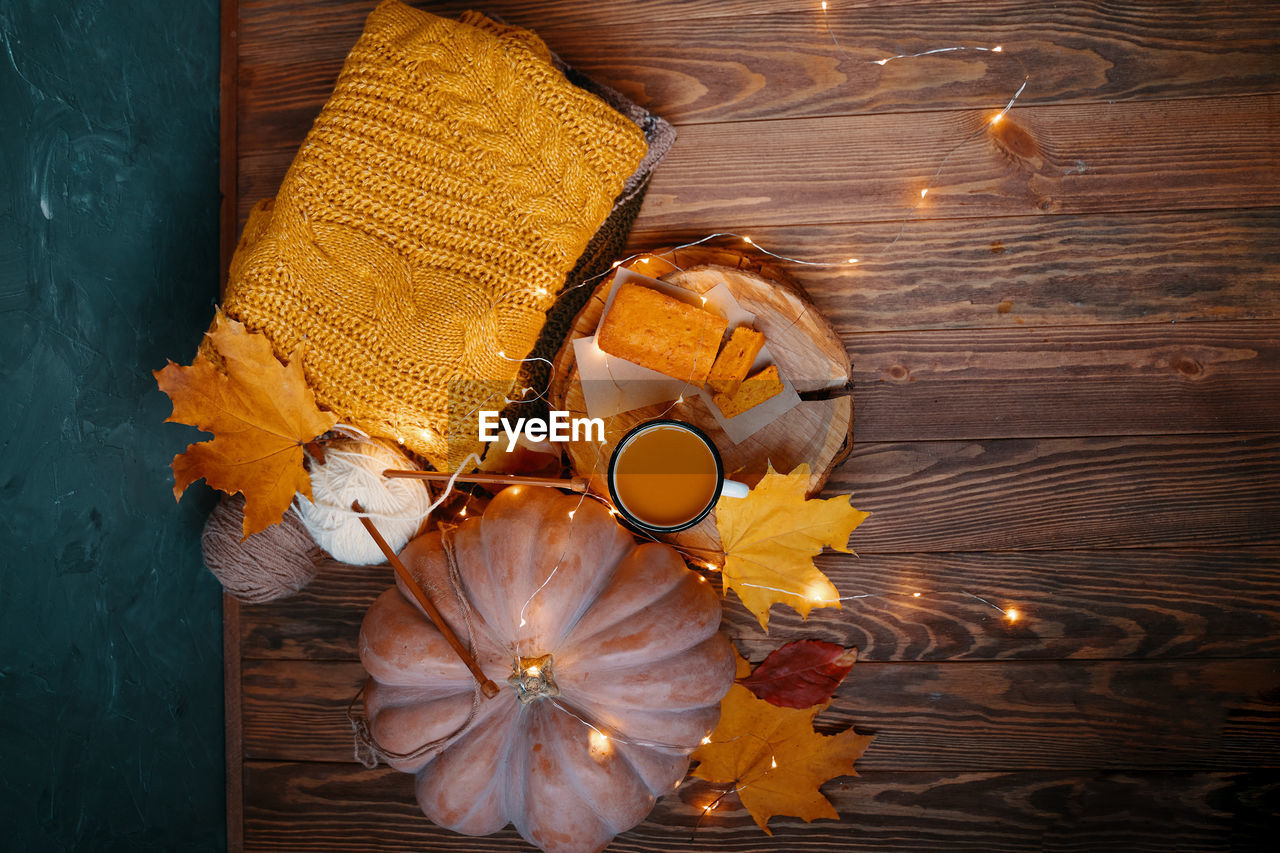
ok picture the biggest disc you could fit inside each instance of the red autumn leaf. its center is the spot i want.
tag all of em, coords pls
(801, 674)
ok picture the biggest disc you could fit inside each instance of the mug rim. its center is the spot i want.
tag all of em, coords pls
(613, 464)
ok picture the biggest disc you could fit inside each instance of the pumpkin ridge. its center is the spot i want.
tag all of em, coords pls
(623, 745)
(432, 776)
(618, 613)
(576, 781)
(508, 740)
(517, 762)
(596, 524)
(592, 641)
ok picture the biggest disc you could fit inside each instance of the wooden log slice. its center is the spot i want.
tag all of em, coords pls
(805, 346)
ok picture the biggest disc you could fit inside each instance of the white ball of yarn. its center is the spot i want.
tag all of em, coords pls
(352, 471)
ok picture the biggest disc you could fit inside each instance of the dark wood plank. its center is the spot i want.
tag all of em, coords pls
(1065, 381)
(1072, 604)
(1134, 604)
(1035, 271)
(233, 708)
(1051, 159)
(321, 622)
(1045, 494)
(788, 66)
(1053, 715)
(785, 64)
(342, 807)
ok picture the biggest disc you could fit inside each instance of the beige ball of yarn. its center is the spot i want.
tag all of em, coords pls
(271, 564)
(352, 471)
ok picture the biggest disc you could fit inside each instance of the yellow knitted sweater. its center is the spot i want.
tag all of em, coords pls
(443, 194)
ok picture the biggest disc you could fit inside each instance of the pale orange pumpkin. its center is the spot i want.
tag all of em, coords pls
(609, 657)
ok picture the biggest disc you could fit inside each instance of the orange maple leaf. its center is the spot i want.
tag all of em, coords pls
(773, 758)
(770, 537)
(261, 413)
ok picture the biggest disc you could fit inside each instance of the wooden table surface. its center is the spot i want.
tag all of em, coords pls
(1067, 383)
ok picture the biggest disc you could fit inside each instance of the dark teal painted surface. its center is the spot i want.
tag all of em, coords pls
(110, 650)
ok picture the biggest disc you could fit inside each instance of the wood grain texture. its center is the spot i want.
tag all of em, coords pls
(1207, 714)
(306, 806)
(233, 709)
(787, 64)
(1047, 159)
(1001, 272)
(1095, 604)
(1069, 493)
(1066, 381)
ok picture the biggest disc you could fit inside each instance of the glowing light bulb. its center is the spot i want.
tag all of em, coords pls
(704, 300)
(522, 622)
(706, 740)
(924, 192)
(824, 5)
(617, 264)
(679, 399)
(462, 513)
(747, 240)
(533, 671)
(501, 354)
(853, 260)
(773, 763)
(882, 62)
(995, 119)
(915, 595)
(712, 567)
(571, 512)
(1012, 615)
(997, 49)
(599, 742)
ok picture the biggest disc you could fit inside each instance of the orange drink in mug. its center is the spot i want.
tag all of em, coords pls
(666, 475)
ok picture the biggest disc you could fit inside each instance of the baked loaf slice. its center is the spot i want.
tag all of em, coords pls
(735, 361)
(753, 391)
(655, 331)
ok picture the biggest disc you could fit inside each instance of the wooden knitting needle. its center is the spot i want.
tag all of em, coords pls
(487, 687)
(573, 484)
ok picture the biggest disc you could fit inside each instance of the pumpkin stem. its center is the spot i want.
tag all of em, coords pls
(533, 678)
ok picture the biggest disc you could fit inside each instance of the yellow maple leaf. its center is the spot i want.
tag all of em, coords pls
(770, 538)
(261, 413)
(774, 759)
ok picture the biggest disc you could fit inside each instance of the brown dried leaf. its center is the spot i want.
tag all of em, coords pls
(801, 674)
(260, 412)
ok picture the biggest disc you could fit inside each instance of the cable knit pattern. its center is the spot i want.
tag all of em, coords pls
(444, 192)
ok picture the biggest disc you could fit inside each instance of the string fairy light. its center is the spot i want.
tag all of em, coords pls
(820, 600)
(936, 50)
(992, 122)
